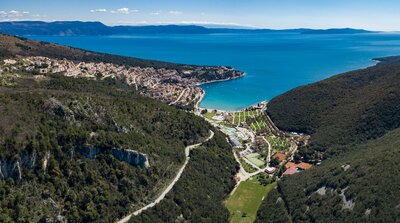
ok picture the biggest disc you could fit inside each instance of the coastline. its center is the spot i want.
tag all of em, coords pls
(376, 61)
(221, 80)
(197, 104)
(243, 109)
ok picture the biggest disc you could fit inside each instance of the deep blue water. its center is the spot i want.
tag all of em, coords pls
(274, 63)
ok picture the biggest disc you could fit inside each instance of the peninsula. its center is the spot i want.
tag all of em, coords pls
(173, 84)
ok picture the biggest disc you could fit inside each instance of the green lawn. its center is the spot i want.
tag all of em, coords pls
(246, 200)
(244, 116)
(246, 166)
(279, 144)
(209, 115)
(254, 158)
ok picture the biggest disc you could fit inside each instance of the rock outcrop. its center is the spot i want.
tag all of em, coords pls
(12, 167)
(8, 169)
(132, 157)
(89, 152)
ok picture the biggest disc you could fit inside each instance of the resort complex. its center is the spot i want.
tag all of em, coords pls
(263, 151)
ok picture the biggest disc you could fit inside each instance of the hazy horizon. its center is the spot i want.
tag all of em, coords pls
(313, 14)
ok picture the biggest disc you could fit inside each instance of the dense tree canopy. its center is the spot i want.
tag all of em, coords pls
(354, 121)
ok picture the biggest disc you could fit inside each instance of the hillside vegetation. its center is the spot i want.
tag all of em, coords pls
(354, 121)
(80, 150)
(63, 116)
(199, 194)
(345, 109)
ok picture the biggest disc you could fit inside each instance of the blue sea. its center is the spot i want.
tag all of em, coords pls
(273, 63)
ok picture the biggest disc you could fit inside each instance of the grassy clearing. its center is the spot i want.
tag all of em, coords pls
(279, 144)
(254, 158)
(244, 116)
(247, 167)
(246, 200)
(209, 115)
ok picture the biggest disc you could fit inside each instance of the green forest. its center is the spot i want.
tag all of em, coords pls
(354, 121)
(199, 194)
(59, 116)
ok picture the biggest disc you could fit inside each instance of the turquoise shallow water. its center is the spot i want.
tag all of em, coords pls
(274, 63)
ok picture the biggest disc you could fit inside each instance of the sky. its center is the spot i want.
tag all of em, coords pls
(382, 15)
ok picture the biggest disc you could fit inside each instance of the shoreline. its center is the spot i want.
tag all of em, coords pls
(243, 109)
(376, 62)
(203, 94)
(197, 104)
(221, 80)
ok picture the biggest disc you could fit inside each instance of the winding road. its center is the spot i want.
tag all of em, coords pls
(179, 97)
(171, 185)
(243, 174)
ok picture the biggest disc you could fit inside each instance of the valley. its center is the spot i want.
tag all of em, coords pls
(94, 137)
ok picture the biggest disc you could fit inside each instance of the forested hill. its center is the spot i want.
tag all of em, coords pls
(11, 46)
(345, 109)
(354, 121)
(91, 150)
(79, 28)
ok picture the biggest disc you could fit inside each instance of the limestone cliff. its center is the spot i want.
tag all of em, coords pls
(132, 157)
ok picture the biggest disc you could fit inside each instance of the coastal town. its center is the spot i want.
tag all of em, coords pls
(173, 86)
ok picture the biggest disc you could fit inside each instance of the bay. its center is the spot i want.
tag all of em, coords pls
(273, 63)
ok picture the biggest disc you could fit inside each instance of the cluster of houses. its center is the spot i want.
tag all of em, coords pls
(168, 85)
(291, 167)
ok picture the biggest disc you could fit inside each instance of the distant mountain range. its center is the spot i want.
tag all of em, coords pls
(78, 28)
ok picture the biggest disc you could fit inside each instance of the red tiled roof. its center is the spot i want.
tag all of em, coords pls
(304, 166)
(280, 156)
(290, 171)
(290, 164)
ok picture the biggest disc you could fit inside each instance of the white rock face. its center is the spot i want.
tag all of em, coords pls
(46, 161)
(13, 167)
(132, 157)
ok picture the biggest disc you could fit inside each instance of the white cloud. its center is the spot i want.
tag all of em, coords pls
(175, 12)
(156, 13)
(13, 14)
(98, 10)
(124, 11)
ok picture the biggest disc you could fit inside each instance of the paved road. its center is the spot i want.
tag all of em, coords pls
(269, 149)
(171, 185)
(250, 163)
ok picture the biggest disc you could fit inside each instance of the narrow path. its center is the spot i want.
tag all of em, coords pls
(171, 185)
(269, 150)
(179, 97)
